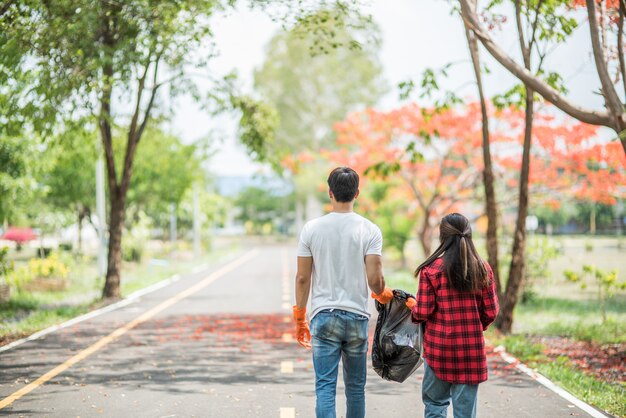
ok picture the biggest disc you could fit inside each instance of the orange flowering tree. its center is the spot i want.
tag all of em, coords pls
(568, 161)
(432, 160)
(435, 156)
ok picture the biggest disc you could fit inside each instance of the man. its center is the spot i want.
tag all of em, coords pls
(339, 256)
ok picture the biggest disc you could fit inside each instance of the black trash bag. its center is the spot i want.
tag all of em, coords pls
(398, 345)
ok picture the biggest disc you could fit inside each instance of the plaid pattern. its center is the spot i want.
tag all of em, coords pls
(454, 321)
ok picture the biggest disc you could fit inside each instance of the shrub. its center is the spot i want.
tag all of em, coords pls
(43, 268)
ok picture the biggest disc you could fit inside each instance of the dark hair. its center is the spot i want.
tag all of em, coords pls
(464, 268)
(344, 183)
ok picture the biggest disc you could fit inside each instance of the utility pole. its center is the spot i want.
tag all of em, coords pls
(196, 222)
(173, 227)
(100, 211)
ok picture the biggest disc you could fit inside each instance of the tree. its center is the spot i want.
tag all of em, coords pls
(261, 207)
(386, 204)
(16, 178)
(436, 155)
(314, 81)
(71, 181)
(491, 206)
(91, 58)
(164, 170)
(613, 116)
(536, 24)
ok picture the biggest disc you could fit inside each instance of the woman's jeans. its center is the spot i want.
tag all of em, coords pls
(436, 395)
(339, 334)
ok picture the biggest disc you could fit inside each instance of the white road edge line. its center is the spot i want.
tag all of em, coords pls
(133, 297)
(549, 384)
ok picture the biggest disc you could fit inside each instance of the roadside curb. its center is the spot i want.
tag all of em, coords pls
(92, 314)
(541, 379)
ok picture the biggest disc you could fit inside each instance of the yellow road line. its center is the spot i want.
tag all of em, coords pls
(286, 366)
(122, 330)
(287, 412)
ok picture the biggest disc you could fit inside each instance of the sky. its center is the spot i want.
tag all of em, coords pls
(416, 34)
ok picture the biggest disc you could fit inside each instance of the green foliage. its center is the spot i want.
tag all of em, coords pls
(320, 22)
(71, 180)
(515, 96)
(51, 267)
(606, 281)
(430, 88)
(257, 127)
(391, 215)
(312, 91)
(17, 178)
(259, 207)
(164, 170)
(6, 265)
(214, 209)
(74, 43)
(539, 253)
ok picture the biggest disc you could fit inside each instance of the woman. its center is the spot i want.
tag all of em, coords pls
(456, 301)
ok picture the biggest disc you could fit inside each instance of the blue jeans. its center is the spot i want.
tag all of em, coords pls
(338, 334)
(436, 395)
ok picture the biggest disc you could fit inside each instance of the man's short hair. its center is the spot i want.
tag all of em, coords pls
(344, 183)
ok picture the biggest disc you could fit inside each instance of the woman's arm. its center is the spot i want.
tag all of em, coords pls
(425, 298)
(489, 306)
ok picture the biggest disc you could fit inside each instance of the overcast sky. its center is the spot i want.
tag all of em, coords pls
(416, 34)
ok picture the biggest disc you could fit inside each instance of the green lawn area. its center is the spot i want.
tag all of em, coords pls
(557, 307)
(29, 312)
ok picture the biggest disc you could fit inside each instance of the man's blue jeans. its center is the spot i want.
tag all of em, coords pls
(436, 395)
(339, 334)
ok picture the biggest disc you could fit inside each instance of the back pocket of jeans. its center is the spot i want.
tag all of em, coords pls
(323, 325)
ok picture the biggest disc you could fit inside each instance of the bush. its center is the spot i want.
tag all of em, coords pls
(38, 268)
(132, 252)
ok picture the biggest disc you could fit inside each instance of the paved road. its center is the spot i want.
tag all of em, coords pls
(218, 343)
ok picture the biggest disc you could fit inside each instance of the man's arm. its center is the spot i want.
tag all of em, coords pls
(303, 280)
(303, 285)
(374, 271)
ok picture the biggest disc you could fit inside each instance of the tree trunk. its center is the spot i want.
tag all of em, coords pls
(425, 236)
(114, 262)
(402, 257)
(592, 219)
(81, 216)
(504, 322)
(491, 206)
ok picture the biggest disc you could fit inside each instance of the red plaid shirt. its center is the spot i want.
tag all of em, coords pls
(454, 321)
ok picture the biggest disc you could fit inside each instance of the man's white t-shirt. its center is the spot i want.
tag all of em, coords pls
(338, 243)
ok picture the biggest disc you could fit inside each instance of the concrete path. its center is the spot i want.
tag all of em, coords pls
(218, 343)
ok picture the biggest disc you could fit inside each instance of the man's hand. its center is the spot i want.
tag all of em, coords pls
(383, 297)
(303, 334)
(410, 303)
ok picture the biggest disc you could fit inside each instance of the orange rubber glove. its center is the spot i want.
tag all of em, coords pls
(303, 334)
(385, 296)
(410, 303)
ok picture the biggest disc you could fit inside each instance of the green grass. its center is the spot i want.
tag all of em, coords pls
(578, 319)
(606, 396)
(24, 314)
